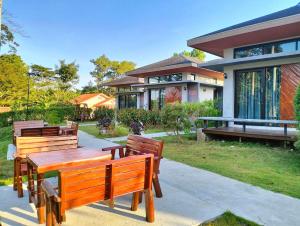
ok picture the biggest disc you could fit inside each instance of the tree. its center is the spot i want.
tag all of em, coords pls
(89, 88)
(194, 53)
(13, 80)
(41, 73)
(106, 69)
(67, 74)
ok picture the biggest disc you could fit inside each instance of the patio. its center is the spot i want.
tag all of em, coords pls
(191, 196)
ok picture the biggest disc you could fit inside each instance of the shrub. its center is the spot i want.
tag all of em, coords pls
(104, 112)
(148, 118)
(297, 114)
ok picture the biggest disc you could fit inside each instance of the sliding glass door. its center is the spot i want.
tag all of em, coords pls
(257, 93)
(156, 99)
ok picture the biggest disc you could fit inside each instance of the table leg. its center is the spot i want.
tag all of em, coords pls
(40, 199)
(30, 181)
(244, 127)
(285, 129)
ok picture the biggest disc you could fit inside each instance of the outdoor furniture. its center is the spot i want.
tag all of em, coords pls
(71, 129)
(137, 145)
(18, 125)
(40, 132)
(43, 162)
(27, 145)
(100, 181)
(249, 132)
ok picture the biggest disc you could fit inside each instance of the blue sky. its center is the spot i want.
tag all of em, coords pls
(137, 30)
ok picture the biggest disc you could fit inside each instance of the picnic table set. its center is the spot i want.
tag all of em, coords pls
(85, 175)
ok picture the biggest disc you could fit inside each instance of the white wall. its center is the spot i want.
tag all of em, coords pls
(184, 93)
(206, 93)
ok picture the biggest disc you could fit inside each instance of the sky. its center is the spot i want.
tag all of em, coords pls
(142, 31)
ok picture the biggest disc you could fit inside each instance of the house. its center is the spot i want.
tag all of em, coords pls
(260, 59)
(176, 79)
(94, 100)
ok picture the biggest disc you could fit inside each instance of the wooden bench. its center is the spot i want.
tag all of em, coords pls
(27, 145)
(70, 129)
(18, 125)
(40, 132)
(137, 145)
(100, 181)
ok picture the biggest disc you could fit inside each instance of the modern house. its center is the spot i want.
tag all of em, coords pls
(176, 79)
(260, 60)
(94, 100)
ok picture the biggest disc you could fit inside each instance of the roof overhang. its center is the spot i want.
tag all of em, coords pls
(178, 68)
(164, 84)
(278, 29)
(219, 64)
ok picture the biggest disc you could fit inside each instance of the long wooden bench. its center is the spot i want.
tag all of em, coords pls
(138, 145)
(40, 132)
(27, 145)
(18, 125)
(100, 181)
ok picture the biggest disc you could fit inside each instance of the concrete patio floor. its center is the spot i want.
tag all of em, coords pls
(191, 196)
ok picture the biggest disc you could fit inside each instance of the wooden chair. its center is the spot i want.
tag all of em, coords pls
(40, 132)
(137, 145)
(26, 145)
(70, 129)
(18, 125)
(104, 180)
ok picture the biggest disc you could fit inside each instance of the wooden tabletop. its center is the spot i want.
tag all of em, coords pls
(225, 119)
(54, 160)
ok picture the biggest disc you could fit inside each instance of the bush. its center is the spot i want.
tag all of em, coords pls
(297, 114)
(104, 112)
(148, 118)
(52, 115)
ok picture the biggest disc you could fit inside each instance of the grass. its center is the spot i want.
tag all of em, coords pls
(118, 132)
(229, 219)
(272, 168)
(6, 167)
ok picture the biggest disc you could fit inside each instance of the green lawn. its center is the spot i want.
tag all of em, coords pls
(119, 132)
(229, 219)
(6, 167)
(272, 168)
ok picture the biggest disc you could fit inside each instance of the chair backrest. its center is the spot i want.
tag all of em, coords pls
(18, 125)
(104, 180)
(144, 145)
(39, 132)
(27, 145)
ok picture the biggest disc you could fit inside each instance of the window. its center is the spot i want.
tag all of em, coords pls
(156, 99)
(193, 76)
(268, 48)
(165, 78)
(128, 101)
(124, 89)
(257, 93)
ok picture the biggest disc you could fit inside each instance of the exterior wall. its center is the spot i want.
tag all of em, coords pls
(206, 93)
(184, 93)
(94, 100)
(228, 89)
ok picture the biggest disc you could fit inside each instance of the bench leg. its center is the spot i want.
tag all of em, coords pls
(135, 201)
(19, 178)
(15, 186)
(149, 205)
(156, 185)
(50, 217)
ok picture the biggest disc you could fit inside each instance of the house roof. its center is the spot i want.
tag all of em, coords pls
(102, 103)
(84, 97)
(175, 64)
(125, 81)
(275, 26)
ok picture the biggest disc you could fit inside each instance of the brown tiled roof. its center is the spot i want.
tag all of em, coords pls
(4, 109)
(127, 80)
(103, 103)
(84, 97)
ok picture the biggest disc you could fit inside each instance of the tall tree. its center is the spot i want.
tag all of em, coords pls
(194, 53)
(67, 74)
(89, 88)
(106, 69)
(42, 73)
(13, 79)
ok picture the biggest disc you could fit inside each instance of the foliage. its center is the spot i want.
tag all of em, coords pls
(175, 116)
(67, 74)
(41, 73)
(53, 115)
(194, 53)
(13, 79)
(228, 219)
(89, 88)
(104, 112)
(136, 127)
(106, 69)
(8, 38)
(148, 118)
(297, 114)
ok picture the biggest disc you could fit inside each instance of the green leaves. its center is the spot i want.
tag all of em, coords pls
(194, 53)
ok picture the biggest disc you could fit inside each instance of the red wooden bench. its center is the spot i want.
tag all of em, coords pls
(137, 145)
(18, 125)
(27, 145)
(40, 132)
(100, 181)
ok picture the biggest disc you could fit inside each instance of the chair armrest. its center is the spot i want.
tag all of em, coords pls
(49, 191)
(113, 150)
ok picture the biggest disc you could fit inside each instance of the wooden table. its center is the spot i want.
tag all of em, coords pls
(44, 162)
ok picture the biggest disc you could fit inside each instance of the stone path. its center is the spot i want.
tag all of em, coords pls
(191, 196)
